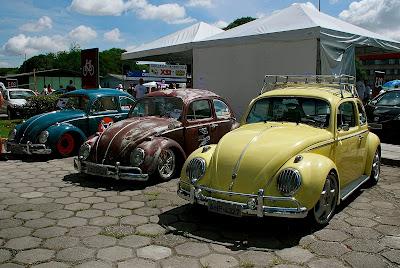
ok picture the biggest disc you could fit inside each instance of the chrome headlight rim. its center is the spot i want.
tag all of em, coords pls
(84, 151)
(289, 181)
(137, 157)
(42, 138)
(12, 134)
(196, 169)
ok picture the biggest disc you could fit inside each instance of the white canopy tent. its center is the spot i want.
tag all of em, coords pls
(176, 46)
(296, 40)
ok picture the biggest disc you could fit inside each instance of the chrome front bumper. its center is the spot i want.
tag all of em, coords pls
(28, 148)
(117, 171)
(196, 195)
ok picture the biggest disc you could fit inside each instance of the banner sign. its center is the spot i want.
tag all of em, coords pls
(90, 68)
(160, 71)
(379, 77)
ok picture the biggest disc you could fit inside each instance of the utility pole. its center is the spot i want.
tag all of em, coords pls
(319, 5)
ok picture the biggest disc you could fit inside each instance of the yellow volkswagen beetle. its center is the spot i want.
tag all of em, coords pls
(301, 149)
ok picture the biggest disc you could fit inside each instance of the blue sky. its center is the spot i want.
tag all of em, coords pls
(39, 26)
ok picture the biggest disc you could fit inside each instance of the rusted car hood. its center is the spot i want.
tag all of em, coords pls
(122, 137)
(255, 152)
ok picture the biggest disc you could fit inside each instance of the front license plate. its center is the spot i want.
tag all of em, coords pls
(225, 208)
(375, 126)
(98, 170)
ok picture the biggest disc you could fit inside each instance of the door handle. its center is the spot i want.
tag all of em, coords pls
(360, 138)
(213, 126)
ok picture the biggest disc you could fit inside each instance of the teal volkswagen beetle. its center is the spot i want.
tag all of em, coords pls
(81, 113)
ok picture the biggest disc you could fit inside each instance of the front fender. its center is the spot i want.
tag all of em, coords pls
(373, 143)
(55, 132)
(153, 149)
(314, 169)
(207, 156)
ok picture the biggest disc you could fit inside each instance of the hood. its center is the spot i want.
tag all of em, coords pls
(382, 113)
(125, 135)
(255, 152)
(32, 127)
(18, 102)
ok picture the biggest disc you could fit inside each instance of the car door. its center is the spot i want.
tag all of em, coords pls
(224, 120)
(199, 117)
(103, 112)
(348, 145)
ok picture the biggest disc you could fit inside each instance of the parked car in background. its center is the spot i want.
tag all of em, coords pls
(383, 113)
(301, 149)
(162, 129)
(82, 113)
(14, 100)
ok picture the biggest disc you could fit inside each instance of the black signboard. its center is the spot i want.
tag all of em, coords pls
(90, 68)
(9, 82)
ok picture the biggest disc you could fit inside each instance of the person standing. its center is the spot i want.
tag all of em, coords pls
(70, 86)
(140, 90)
(360, 86)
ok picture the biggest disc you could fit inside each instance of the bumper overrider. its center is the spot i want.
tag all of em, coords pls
(28, 148)
(117, 171)
(198, 195)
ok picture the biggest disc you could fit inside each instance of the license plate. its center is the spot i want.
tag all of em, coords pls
(375, 126)
(98, 170)
(225, 208)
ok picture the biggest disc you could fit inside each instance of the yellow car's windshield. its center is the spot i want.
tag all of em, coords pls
(310, 111)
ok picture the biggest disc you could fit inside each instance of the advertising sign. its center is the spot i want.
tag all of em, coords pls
(90, 68)
(168, 71)
(9, 82)
(379, 79)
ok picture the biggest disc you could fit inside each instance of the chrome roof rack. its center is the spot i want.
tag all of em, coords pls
(341, 82)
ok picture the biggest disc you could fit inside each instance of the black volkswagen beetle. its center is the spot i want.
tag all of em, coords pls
(383, 113)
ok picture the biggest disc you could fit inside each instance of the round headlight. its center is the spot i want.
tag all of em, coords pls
(12, 134)
(84, 151)
(43, 136)
(289, 181)
(137, 157)
(196, 169)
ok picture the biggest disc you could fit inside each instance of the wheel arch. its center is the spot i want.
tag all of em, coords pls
(373, 144)
(56, 131)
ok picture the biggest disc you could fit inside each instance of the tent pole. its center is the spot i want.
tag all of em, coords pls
(319, 5)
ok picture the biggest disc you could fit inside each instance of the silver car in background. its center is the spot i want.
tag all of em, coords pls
(13, 100)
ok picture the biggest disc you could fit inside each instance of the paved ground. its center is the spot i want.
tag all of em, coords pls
(52, 217)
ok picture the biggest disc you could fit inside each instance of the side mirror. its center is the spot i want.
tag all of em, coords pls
(344, 127)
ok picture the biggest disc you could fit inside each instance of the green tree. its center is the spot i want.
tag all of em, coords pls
(239, 22)
(361, 73)
(110, 61)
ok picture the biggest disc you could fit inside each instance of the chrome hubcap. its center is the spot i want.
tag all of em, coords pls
(376, 166)
(166, 163)
(327, 202)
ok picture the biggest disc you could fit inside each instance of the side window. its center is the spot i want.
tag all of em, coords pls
(200, 109)
(104, 104)
(362, 116)
(221, 110)
(126, 103)
(346, 115)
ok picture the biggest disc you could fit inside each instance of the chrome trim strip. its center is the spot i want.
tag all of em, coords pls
(237, 165)
(109, 144)
(362, 180)
(322, 144)
(209, 123)
(352, 135)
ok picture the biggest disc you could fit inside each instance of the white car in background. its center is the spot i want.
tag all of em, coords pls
(13, 100)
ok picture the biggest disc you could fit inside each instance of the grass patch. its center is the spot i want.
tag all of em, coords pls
(115, 235)
(147, 234)
(246, 264)
(7, 125)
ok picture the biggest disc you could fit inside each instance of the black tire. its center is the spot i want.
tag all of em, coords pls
(167, 165)
(375, 169)
(325, 208)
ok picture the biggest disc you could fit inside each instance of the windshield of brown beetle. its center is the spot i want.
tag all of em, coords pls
(170, 107)
(314, 112)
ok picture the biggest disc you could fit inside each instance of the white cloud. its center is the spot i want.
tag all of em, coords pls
(31, 45)
(172, 13)
(99, 7)
(199, 3)
(113, 36)
(82, 34)
(220, 24)
(4, 64)
(37, 26)
(380, 16)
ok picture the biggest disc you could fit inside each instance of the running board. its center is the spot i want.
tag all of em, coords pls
(351, 187)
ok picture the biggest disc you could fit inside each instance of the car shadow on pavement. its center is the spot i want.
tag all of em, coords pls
(106, 184)
(27, 158)
(268, 233)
